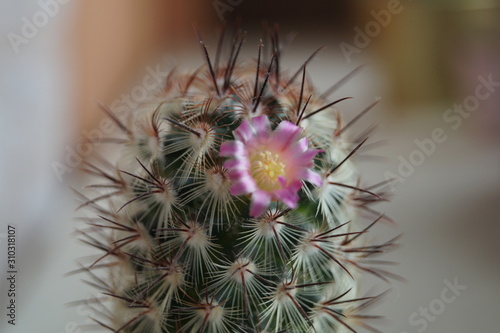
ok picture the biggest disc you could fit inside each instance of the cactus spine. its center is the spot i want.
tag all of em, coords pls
(232, 208)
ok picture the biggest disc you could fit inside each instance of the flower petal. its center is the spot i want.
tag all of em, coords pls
(288, 196)
(282, 181)
(285, 135)
(313, 177)
(302, 145)
(237, 164)
(261, 125)
(244, 132)
(237, 174)
(308, 156)
(244, 185)
(260, 203)
(231, 148)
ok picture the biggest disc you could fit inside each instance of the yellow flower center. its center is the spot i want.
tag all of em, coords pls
(265, 168)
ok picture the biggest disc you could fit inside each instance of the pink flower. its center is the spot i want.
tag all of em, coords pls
(269, 165)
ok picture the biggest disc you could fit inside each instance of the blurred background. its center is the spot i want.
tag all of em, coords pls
(435, 64)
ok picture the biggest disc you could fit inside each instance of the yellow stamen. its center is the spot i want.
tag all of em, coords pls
(265, 168)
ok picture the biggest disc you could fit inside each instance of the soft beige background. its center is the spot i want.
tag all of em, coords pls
(424, 61)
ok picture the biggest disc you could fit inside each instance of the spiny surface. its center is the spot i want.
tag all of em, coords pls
(233, 207)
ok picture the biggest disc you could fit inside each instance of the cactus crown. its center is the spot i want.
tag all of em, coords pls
(232, 208)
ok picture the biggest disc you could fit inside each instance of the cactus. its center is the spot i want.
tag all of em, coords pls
(233, 207)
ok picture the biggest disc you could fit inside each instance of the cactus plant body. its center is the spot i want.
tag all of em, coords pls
(234, 206)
